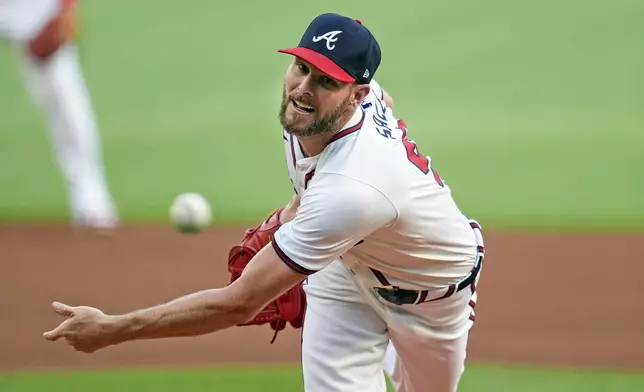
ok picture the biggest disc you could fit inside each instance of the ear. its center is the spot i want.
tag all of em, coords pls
(361, 92)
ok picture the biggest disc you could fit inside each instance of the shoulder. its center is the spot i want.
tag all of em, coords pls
(346, 189)
(347, 199)
(362, 147)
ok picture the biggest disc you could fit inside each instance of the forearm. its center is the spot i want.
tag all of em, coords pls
(199, 313)
(265, 278)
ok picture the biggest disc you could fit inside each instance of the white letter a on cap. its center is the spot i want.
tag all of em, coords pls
(330, 38)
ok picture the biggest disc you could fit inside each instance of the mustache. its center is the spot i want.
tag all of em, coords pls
(304, 99)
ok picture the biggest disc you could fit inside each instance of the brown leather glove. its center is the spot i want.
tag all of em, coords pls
(290, 306)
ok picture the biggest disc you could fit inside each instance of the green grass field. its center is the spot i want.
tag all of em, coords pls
(532, 112)
(281, 379)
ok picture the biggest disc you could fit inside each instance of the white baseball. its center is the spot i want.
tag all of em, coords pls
(190, 212)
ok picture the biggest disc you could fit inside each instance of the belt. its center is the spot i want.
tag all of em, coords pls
(398, 296)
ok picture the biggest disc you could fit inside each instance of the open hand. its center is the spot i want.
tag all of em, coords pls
(87, 329)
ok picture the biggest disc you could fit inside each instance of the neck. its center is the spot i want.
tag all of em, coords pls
(314, 145)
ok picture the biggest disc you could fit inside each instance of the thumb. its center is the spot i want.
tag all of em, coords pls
(56, 333)
(62, 309)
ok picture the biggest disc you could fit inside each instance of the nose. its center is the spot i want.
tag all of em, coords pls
(305, 86)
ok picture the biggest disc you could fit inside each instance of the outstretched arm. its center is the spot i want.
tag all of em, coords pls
(301, 247)
(265, 278)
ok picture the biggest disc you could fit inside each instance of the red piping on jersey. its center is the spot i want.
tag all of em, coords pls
(348, 131)
(302, 149)
(289, 262)
(472, 303)
(293, 153)
(308, 178)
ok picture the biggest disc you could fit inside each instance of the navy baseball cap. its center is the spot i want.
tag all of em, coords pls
(340, 47)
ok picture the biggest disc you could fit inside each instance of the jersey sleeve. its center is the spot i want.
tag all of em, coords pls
(335, 214)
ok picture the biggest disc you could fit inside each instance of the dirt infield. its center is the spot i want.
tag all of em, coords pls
(544, 299)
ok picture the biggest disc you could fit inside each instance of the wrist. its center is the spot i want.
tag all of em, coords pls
(120, 328)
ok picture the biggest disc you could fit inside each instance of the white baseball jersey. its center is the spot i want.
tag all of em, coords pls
(372, 199)
(21, 20)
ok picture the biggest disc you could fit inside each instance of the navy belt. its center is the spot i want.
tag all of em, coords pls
(399, 296)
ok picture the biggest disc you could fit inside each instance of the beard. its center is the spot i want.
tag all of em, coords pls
(319, 125)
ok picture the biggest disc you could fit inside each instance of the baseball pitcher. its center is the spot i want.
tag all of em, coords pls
(372, 238)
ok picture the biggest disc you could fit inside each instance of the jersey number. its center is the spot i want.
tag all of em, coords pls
(415, 157)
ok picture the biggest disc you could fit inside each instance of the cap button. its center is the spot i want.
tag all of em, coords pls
(359, 21)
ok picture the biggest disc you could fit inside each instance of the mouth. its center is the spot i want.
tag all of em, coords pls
(300, 107)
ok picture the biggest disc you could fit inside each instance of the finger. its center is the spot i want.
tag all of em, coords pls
(86, 349)
(51, 336)
(81, 346)
(56, 333)
(62, 309)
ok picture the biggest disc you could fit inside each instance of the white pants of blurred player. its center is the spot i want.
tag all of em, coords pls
(57, 87)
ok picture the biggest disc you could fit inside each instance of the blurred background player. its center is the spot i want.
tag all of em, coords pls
(41, 33)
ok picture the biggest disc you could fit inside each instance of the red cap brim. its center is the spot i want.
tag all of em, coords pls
(321, 62)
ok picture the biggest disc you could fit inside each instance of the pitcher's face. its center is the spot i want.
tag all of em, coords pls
(313, 102)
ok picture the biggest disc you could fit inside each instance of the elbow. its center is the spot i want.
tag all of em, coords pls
(238, 314)
(246, 314)
(242, 312)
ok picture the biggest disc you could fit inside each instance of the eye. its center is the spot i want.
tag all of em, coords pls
(302, 67)
(329, 82)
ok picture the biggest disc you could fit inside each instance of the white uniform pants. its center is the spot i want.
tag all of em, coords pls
(348, 329)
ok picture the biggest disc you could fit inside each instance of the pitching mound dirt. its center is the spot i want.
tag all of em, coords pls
(544, 299)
